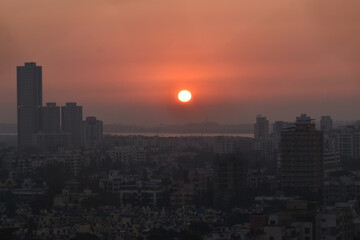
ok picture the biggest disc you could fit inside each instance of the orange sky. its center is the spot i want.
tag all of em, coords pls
(125, 60)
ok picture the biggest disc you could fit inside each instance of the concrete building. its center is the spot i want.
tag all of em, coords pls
(280, 126)
(128, 154)
(74, 160)
(227, 144)
(131, 190)
(336, 222)
(29, 102)
(48, 136)
(331, 162)
(347, 142)
(301, 157)
(261, 127)
(326, 123)
(50, 142)
(71, 119)
(91, 132)
(230, 176)
(50, 118)
(341, 189)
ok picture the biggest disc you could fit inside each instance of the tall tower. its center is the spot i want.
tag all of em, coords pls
(71, 119)
(301, 157)
(29, 102)
(261, 127)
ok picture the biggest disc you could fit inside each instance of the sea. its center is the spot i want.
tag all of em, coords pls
(153, 134)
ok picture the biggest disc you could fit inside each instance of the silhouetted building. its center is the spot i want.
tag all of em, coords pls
(50, 138)
(261, 127)
(301, 157)
(280, 126)
(326, 123)
(50, 118)
(230, 177)
(71, 119)
(29, 102)
(48, 141)
(91, 132)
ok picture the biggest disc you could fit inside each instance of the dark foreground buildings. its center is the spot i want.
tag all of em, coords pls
(230, 171)
(301, 157)
(71, 118)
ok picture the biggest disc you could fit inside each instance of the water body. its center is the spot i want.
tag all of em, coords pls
(151, 134)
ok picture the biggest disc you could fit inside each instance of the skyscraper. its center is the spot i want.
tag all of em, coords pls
(29, 102)
(261, 127)
(301, 156)
(48, 136)
(230, 174)
(50, 118)
(71, 118)
(91, 132)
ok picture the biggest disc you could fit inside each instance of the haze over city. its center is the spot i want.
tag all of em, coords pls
(186, 120)
(128, 59)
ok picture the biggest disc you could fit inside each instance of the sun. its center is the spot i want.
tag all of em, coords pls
(184, 96)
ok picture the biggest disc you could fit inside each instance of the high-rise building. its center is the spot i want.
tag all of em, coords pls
(261, 127)
(301, 156)
(29, 102)
(48, 136)
(230, 177)
(91, 132)
(71, 119)
(346, 141)
(50, 118)
(332, 162)
(326, 123)
(280, 126)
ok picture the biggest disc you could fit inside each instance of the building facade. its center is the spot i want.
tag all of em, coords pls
(230, 177)
(71, 119)
(91, 132)
(326, 123)
(50, 118)
(29, 102)
(301, 157)
(261, 127)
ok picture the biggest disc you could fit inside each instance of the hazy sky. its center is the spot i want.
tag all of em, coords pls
(125, 60)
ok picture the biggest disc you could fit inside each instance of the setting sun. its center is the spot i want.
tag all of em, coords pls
(184, 96)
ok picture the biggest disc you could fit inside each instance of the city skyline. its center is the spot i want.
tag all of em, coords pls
(205, 119)
(193, 119)
(125, 60)
(41, 127)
